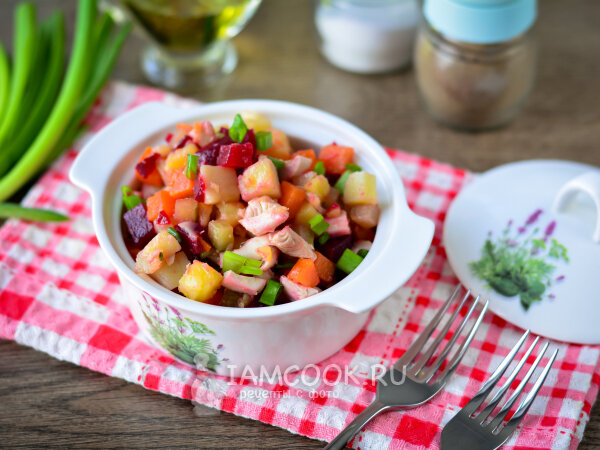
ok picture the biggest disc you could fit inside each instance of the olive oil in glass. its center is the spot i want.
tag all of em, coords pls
(190, 39)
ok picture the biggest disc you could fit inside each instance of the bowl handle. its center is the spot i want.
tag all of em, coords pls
(92, 169)
(588, 183)
(413, 237)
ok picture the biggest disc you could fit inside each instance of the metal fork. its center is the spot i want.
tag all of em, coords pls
(468, 430)
(409, 382)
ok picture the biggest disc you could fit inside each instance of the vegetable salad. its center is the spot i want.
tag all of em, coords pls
(235, 217)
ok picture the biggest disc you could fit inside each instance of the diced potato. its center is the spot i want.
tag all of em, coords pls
(230, 212)
(220, 184)
(169, 276)
(220, 234)
(204, 213)
(159, 251)
(281, 148)
(200, 281)
(186, 209)
(366, 216)
(177, 159)
(256, 121)
(360, 189)
(260, 179)
(318, 185)
(305, 213)
(162, 150)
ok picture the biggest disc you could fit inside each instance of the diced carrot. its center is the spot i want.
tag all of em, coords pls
(186, 127)
(161, 201)
(362, 234)
(310, 153)
(292, 197)
(305, 273)
(325, 267)
(153, 178)
(178, 184)
(335, 157)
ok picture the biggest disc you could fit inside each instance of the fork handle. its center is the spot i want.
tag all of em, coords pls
(356, 425)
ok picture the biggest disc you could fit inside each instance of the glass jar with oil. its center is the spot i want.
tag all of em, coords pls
(189, 39)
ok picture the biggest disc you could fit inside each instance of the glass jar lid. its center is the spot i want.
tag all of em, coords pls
(480, 21)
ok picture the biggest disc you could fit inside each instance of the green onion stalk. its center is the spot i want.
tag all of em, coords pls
(41, 113)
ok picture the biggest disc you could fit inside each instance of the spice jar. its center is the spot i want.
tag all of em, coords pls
(367, 36)
(475, 60)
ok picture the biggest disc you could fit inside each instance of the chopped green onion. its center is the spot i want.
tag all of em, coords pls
(269, 294)
(252, 263)
(238, 129)
(284, 266)
(247, 270)
(8, 210)
(233, 261)
(320, 168)
(264, 141)
(173, 232)
(191, 168)
(348, 261)
(318, 224)
(279, 164)
(161, 256)
(130, 200)
(323, 238)
(237, 263)
(353, 167)
(363, 252)
(341, 182)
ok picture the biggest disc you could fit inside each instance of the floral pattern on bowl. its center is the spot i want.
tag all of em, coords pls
(521, 261)
(184, 338)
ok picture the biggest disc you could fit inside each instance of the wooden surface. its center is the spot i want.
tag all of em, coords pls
(44, 401)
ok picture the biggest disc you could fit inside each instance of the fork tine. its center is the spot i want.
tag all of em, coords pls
(498, 396)
(483, 392)
(526, 403)
(506, 408)
(442, 356)
(451, 367)
(424, 359)
(416, 347)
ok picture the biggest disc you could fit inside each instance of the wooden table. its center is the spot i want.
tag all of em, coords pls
(44, 401)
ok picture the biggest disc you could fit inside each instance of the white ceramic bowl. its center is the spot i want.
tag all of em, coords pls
(287, 336)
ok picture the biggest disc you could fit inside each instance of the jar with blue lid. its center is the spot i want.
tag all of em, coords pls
(475, 60)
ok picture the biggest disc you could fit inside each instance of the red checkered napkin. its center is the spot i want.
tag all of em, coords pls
(60, 295)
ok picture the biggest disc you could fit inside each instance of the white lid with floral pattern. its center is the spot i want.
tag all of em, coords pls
(525, 236)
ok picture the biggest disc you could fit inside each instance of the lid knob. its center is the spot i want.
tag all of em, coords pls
(589, 183)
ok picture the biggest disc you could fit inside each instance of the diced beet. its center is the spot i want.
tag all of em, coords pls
(334, 247)
(191, 233)
(184, 140)
(208, 156)
(145, 167)
(140, 228)
(168, 137)
(332, 178)
(236, 155)
(199, 189)
(162, 218)
(250, 138)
